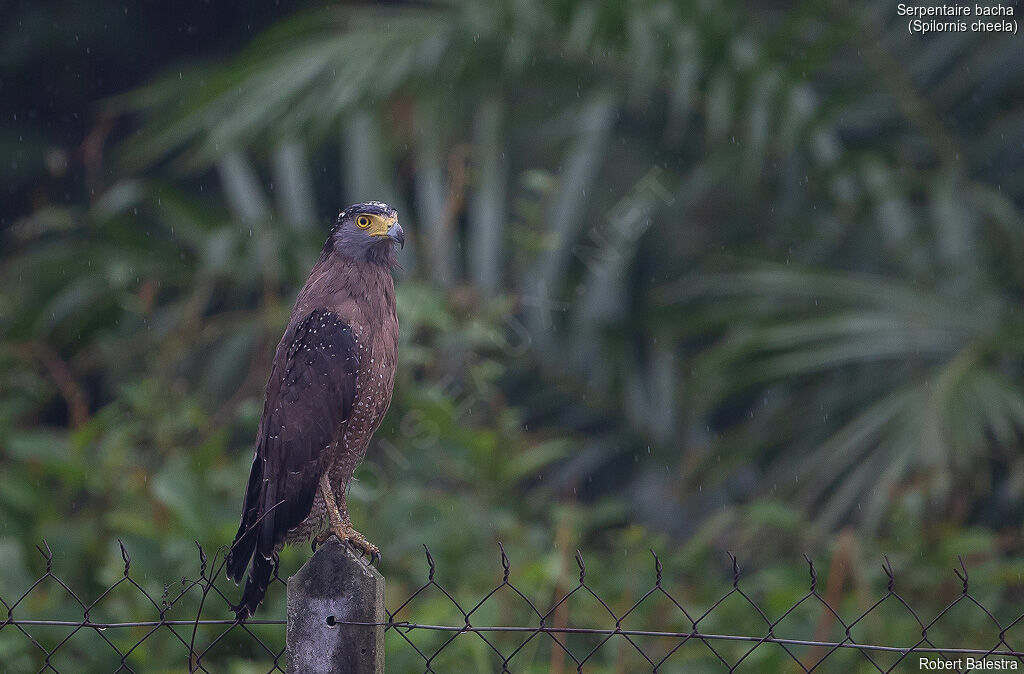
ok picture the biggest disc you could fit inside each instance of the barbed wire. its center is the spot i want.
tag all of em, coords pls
(550, 622)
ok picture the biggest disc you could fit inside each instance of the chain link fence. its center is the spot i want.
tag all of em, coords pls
(62, 645)
(190, 627)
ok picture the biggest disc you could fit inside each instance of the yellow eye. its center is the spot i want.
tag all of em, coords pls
(363, 221)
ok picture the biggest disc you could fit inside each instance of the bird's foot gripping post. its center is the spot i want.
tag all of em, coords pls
(347, 535)
(340, 526)
(334, 589)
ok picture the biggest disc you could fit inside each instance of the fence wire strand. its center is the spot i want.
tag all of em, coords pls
(194, 651)
(543, 622)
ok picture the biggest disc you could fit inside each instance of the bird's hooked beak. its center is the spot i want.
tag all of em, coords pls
(397, 234)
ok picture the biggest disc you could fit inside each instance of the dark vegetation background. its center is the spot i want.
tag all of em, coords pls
(687, 276)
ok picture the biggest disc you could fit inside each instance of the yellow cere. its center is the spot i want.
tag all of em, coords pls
(376, 225)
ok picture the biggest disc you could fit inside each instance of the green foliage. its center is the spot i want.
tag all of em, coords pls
(691, 276)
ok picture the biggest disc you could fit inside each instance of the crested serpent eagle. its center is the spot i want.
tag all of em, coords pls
(329, 387)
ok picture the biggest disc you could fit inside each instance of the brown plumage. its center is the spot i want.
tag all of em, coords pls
(329, 387)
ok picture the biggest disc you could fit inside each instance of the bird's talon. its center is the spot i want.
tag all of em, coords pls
(353, 541)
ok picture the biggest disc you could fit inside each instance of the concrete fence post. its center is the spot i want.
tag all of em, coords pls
(334, 587)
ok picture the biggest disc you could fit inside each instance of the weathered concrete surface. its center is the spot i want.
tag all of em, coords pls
(333, 587)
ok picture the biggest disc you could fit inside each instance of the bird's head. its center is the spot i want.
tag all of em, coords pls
(367, 231)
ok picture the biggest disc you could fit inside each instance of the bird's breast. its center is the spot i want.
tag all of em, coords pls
(378, 354)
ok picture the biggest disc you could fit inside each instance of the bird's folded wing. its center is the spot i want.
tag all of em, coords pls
(308, 396)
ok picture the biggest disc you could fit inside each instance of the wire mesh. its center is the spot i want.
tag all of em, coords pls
(817, 653)
(605, 625)
(196, 637)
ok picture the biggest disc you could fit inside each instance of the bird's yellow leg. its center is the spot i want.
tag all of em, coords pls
(341, 526)
(332, 506)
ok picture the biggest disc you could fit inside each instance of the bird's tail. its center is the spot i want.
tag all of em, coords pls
(241, 550)
(256, 584)
(244, 549)
(244, 545)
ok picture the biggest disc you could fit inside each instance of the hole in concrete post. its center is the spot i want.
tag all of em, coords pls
(331, 622)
